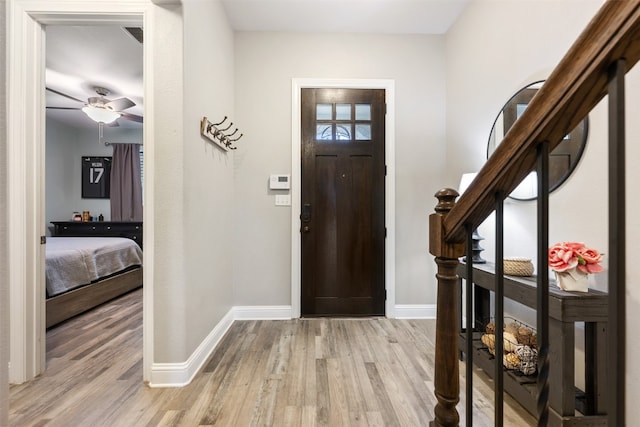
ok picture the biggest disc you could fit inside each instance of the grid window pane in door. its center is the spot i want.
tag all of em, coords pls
(363, 112)
(343, 132)
(343, 122)
(363, 131)
(324, 112)
(324, 132)
(343, 111)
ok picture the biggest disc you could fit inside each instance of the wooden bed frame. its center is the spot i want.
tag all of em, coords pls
(74, 302)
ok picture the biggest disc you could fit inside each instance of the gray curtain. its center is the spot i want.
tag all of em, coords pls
(126, 185)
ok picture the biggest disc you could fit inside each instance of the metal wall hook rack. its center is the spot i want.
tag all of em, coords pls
(214, 133)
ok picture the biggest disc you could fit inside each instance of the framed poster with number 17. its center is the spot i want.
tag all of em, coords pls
(96, 177)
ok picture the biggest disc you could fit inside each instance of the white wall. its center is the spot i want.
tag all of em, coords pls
(265, 65)
(65, 146)
(4, 286)
(494, 49)
(166, 207)
(208, 171)
(521, 52)
(193, 179)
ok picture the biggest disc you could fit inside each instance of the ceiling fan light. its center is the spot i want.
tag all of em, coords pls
(100, 114)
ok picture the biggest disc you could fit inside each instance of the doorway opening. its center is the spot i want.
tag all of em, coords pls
(91, 70)
(26, 172)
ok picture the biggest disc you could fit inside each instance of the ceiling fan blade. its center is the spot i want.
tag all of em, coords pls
(63, 108)
(132, 117)
(120, 104)
(65, 95)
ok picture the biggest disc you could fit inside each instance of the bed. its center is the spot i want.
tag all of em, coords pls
(84, 272)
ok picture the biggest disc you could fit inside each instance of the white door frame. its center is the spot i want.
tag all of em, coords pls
(390, 182)
(25, 173)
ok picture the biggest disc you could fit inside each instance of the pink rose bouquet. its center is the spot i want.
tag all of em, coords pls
(568, 255)
(572, 262)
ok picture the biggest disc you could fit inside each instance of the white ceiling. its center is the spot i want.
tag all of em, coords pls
(81, 57)
(78, 58)
(345, 16)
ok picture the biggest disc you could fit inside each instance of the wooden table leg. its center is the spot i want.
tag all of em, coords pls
(595, 367)
(562, 393)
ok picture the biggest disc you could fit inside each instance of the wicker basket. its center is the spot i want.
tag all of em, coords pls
(516, 266)
(520, 345)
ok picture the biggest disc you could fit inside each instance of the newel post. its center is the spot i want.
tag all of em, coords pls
(446, 377)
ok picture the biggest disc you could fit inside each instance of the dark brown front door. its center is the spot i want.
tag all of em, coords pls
(342, 218)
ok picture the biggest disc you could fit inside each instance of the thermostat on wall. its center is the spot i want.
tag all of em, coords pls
(279, 182)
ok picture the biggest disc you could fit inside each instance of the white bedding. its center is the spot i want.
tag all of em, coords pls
(75, 261)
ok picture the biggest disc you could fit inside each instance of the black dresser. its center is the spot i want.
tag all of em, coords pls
(129, 229)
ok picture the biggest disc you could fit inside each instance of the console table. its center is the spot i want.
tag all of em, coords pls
(565, 308)
(129, 229)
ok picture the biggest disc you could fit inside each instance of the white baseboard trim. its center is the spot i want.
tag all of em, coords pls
(415, 311)
(181, 374)
(262, 312)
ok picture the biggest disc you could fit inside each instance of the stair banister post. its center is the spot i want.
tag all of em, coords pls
(446, 376)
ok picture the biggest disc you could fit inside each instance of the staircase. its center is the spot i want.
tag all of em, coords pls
(595, 66)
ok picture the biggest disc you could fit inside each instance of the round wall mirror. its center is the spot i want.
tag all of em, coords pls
(562, 160)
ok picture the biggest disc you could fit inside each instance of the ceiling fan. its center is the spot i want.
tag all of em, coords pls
(100, 109)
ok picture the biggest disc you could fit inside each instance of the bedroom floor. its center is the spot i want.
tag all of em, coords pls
(364, 372)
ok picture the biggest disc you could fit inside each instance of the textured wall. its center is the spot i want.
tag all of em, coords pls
(488, 60)
(193, 179)
(4, 285)
(208, 178)
(265, 65)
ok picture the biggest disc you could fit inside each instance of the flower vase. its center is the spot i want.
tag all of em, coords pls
(573, 280)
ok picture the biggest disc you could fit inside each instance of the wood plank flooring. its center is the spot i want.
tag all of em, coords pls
(302, 372)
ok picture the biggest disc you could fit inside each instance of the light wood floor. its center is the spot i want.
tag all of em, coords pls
(303, 372)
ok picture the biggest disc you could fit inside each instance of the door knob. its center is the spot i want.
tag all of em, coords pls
(305, 216)
(306, 229)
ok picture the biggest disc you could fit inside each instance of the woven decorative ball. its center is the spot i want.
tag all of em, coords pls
(512, 328)
(490, 341)
(491, 328)
(516, 266)
(510, 342)
(525, 336)
(528, 359)
(511, 361)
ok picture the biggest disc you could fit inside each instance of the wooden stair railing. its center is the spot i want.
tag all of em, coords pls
(592, 68)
